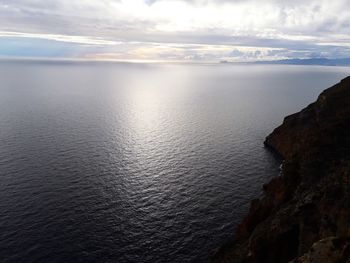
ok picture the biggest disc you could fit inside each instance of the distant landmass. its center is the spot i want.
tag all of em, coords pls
(309, 61)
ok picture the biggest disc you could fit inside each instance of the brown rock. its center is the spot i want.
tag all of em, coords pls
(311, 200)
(328, 250)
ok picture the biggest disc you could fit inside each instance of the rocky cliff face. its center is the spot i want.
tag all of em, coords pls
(304, 215)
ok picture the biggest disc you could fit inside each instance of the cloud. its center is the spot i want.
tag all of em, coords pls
(60, 38)
(148, 28)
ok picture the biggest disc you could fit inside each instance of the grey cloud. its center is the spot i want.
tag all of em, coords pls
(91, 18)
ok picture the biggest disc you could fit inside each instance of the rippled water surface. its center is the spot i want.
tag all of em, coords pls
(137, 162)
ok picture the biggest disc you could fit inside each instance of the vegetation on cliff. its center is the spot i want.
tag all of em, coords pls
(304, 215)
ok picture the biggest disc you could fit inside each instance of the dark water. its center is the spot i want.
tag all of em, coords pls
(137, 163)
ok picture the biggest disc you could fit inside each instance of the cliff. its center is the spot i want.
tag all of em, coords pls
(304, 215)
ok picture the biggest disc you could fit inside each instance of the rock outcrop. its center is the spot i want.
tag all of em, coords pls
(304, 215)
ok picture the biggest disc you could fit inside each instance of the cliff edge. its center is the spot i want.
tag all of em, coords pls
(304, 215)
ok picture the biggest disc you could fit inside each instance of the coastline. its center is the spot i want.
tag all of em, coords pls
(304, 215)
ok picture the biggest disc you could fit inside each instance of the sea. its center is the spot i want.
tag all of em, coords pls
(137, 162)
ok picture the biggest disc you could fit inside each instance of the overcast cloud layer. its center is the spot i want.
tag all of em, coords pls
(197, 30)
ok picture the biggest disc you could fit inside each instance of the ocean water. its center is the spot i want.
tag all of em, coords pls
(146, 163)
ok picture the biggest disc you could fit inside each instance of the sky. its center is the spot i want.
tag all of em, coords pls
(175, 30)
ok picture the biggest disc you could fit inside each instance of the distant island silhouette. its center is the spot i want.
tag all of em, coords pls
(297, 61)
